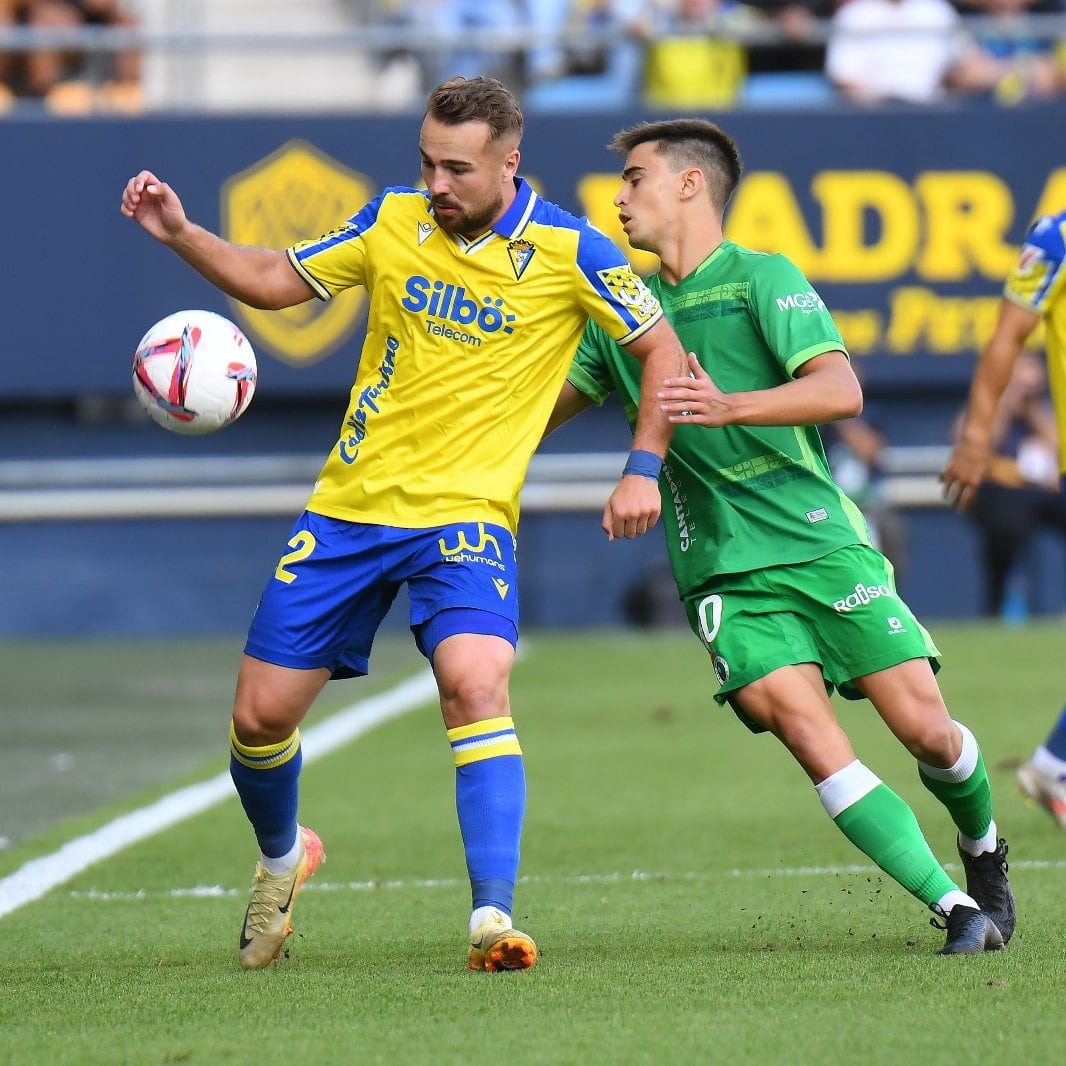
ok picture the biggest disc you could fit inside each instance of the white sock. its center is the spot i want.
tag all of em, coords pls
(955, 898)
(1048, 764)
(483, 914)
(282, 864)
(846, 787)
(988, 842)
(964, 765)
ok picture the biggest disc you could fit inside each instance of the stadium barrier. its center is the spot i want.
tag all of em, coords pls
(57, 490)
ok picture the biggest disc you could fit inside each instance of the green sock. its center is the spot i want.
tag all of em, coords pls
(883, 827)
(963, 788)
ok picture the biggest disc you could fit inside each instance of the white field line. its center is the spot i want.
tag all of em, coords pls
(618, 877)
(39, 876)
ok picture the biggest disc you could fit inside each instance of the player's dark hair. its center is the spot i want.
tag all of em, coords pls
(479, 99)
(690, 142)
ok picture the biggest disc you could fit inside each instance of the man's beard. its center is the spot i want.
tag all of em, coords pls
(471, 224)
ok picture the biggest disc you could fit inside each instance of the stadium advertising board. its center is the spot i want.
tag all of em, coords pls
(904, 221)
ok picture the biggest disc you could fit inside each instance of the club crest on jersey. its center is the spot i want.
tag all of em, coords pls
(521, 252)
(630, 291)
(425, 231)
(277, 202)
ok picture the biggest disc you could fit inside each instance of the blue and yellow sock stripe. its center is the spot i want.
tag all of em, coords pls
(267, 757)
(483, 740)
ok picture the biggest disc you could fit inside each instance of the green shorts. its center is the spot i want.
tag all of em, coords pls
(841, 611)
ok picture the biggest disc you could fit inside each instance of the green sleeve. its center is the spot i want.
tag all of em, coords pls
(795, 323)
(589, 370)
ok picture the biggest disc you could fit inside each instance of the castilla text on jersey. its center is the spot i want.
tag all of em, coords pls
(447, 306)
(366, 404)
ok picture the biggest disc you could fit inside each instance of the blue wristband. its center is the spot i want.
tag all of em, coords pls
(643, 464)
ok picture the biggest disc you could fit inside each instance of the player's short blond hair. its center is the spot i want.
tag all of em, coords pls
(479, 99)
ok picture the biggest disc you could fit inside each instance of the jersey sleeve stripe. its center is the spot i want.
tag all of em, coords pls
(316, 286)
(810, 352)
(641, 329)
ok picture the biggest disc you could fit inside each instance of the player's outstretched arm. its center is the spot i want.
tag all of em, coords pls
(825, 389)
(968, 463)
(260, 277)
(635, 504)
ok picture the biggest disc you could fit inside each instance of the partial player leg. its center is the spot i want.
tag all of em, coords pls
(951, 767)
(265, 761)
(1042, 778)
(472, 673)
(791, 703)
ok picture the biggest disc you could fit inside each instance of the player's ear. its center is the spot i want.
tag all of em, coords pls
(691, 183)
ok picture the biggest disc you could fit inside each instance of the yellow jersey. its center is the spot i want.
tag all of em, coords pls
(1038, 282)
(467, 345)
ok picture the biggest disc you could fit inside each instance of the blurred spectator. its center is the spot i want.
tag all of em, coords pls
(1020, 494)
(8, 10)
(451, 24)
(802, 50)
(694, 60)
(68, 80)
(1012, 67)
(789, 72)
(546, 58)
(601, 75)
(905, 50)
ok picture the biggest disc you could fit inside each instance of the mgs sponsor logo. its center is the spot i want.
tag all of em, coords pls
(451, 312)
(807, 302)
(862, 595)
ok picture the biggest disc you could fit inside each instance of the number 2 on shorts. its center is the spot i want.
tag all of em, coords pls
(302, 545)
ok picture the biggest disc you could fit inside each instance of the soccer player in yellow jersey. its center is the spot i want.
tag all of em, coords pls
(1034, 290)
(479, 291)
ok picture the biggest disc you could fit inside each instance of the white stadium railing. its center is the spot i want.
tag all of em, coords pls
(47, 490)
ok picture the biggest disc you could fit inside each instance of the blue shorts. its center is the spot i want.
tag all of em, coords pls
(332, 589)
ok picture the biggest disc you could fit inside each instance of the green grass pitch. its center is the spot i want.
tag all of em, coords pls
(691, 901)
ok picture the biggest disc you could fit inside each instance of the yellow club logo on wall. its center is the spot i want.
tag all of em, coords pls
(295, 193)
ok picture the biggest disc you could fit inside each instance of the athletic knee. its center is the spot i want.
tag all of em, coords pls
(271, 701)
(259, 723)
(935, 739)
(473, 699)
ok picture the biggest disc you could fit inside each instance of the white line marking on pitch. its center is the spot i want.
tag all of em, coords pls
(218, 891)
(39, 876)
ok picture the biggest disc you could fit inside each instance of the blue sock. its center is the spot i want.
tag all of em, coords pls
(267, 781)
(490, 799)
(1056, 742)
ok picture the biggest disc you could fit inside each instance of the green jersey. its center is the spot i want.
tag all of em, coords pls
(739, 498)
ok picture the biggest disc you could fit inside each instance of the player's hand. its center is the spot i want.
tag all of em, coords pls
(153, 205)
(695, 400)
(634, 507)
(962, 474)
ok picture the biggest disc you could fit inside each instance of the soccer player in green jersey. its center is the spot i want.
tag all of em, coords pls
(479, 291)
(772, 560)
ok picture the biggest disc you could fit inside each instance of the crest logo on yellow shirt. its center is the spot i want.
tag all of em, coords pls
(425, 231)
(292, 194)
(627, 288)
(521, 252)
